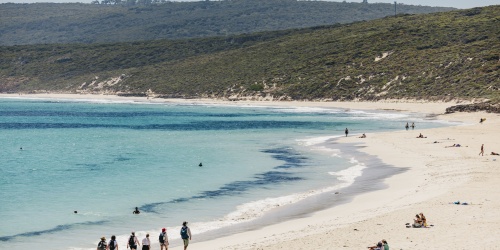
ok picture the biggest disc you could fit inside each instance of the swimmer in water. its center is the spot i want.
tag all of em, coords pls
(136, 211)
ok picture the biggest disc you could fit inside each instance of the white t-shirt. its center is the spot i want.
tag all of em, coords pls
(146, 242)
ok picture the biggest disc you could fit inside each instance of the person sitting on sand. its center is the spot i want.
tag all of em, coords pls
(363, 136)
(493, 153)
(379, 246)
(423, 219)
(386, 245)
(417, 222)
(421, 136)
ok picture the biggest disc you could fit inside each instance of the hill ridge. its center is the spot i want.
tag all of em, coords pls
(42, 23)
(440, 56)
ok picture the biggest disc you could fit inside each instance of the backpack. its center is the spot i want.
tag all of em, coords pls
(131, 240)
(161, 238)
(111, 245)
(101, 245)
(184, 233)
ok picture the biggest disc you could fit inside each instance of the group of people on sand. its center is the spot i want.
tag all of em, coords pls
(407, 126)
(346, 131)
(419, 221)
(481, 153)
(133, 242)
(454, 145)
(381, 245)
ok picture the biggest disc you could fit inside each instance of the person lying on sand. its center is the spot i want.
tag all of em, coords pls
(493, 153)
(454, 145)
(460, 203)
(379, 246)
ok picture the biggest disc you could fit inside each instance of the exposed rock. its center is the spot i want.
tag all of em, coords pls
(475, 107)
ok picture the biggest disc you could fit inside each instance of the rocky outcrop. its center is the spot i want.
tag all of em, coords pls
(475, 107)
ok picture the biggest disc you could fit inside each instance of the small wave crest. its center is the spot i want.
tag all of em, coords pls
(256, 209)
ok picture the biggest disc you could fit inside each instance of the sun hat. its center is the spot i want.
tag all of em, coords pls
(103, 238)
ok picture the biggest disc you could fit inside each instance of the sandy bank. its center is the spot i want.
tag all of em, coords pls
(437, 176)
(390, 105)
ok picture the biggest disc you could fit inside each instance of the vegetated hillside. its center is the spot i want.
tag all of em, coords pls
(42, 23)
(441, 55)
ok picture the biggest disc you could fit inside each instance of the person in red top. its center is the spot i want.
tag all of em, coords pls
(163, 239)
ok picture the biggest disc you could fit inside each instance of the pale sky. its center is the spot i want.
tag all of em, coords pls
(461, 4)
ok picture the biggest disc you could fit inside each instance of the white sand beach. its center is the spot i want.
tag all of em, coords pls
(436, 177)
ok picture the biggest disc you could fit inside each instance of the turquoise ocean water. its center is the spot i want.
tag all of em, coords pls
(103, 159)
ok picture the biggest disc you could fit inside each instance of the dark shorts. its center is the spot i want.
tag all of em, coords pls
(133, 247)
(145, 247)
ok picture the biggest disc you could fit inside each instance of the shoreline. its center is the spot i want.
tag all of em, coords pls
(322, 199)
(386, 105)
(435, 177)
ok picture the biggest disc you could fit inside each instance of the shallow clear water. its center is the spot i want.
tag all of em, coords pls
(102, 159)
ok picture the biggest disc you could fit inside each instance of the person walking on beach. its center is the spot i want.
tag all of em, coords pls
(185, 234)
(163, 238)
(113, 245)
(346, 132)
(102, 244)
(133, 242)
(146, 243)
(482, 150)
